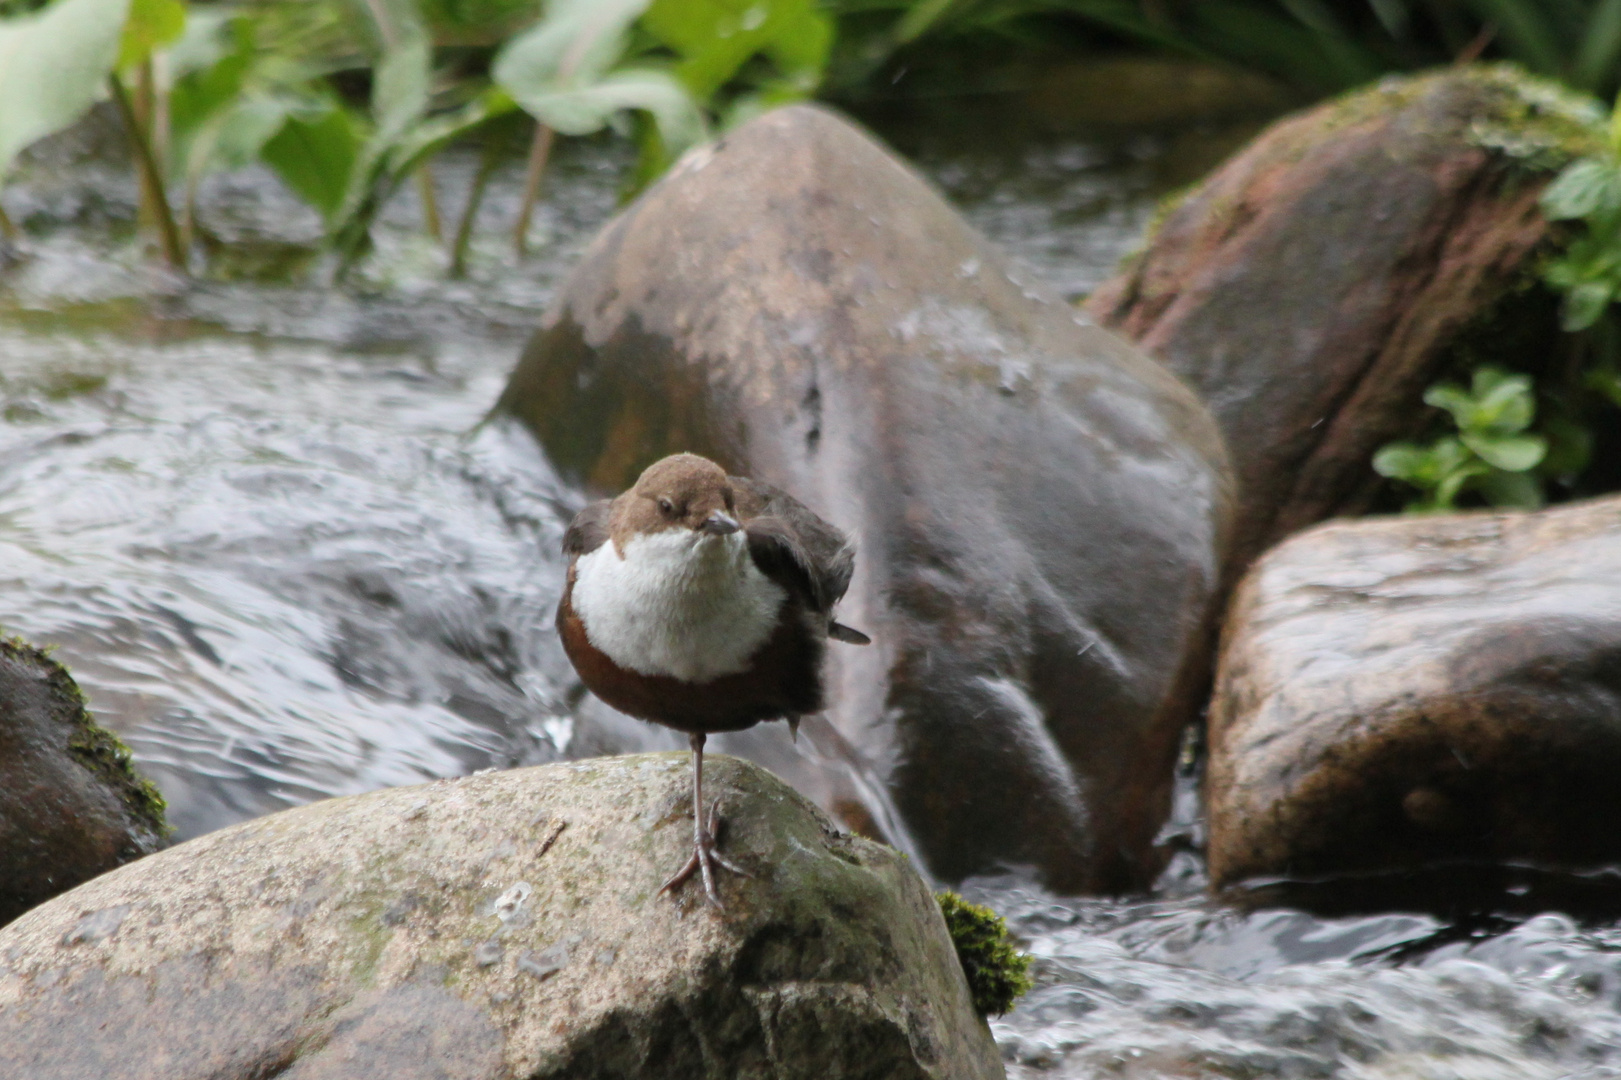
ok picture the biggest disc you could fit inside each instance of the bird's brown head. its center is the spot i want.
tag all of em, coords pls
(682, 491)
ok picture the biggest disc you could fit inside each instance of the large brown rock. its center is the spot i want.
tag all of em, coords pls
(1314, 285)
(498, 926)
(1039, 509)
(71, 805)
(1401, 690)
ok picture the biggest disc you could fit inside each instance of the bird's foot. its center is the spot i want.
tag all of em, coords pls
(706, 859)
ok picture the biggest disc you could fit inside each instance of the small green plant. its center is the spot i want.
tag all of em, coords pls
(1588, 272)
(1492, 452)
(998, 974)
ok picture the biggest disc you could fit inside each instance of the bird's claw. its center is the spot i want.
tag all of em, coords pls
(704, 859)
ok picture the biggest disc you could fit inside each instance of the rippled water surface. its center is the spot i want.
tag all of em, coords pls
(268, 533)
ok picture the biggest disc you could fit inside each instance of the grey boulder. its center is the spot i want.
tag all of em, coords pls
(503, 925)
(1040, 510)
(1393, 692)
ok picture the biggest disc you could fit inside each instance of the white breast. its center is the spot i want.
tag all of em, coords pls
(677, 603)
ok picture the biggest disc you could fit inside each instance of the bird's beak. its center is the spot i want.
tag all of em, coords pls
(719, 524)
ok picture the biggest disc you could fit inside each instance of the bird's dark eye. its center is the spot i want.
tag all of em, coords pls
(728, 500)
(667, 506)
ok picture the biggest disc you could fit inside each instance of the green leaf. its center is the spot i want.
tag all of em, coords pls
(1404, 461)
(1584, 304)
(1606, 381)
(316, 155)
(1511, 453)
(1584, 188)
(1454, 399)
(573, 46)
(1504, 402)
(152, 24)
(400, 87)
(584, 110)
(53, 65)
(1519, 490)
(715, 38)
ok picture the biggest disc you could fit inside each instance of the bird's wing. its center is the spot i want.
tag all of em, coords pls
(589, 529)
(792, 546)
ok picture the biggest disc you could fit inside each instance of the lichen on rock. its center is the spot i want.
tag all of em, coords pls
(508, 924)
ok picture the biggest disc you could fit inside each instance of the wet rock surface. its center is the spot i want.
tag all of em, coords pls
(1039, 509)
(71, 805)
(1401, 691)
(1315, 285)
(501, 925)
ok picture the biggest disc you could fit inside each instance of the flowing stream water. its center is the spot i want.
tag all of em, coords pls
(268, 533)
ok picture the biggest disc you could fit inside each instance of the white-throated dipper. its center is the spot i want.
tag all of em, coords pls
(703, 602)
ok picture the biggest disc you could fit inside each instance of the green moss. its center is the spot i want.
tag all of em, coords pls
(92, 745)
(1538, 124)
(998, 974)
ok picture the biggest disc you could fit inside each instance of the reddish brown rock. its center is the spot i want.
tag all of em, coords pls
(1039, 509)
(1314, 286)
(71, 805)
(1398, 691)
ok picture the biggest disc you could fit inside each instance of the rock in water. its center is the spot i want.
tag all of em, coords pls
(71, 805)
(1397, 691)
(1313, 286)
(1039, 509)
(503, 925)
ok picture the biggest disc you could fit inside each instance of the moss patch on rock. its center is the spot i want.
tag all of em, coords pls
(998, 973)
(92, 745)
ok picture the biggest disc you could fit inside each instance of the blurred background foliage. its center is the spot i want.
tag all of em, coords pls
(346, 100)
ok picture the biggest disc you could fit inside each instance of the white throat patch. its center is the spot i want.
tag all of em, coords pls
(678, 603)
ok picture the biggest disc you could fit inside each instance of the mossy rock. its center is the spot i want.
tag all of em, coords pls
(1315, 284)
(71, 804)
(501, 925)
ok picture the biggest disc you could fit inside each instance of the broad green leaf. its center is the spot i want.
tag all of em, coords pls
(316, 155)
(53, 65)
(587, 109)
(207, 39)
(1511, 453)
(152, 24)
(1519, 490)
(1584, 188)
(376, 180)
(1584, 304)
(1452, 483)
(1606, 381)
(1404, 461)
(715, 38)
(1454, 399)
(573, 46)
(400, 87)
(234, 136)
(1504, 402)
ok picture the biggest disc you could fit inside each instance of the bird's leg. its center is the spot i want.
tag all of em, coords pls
(704, 856)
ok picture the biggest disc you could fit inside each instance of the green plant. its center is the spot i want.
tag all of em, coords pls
(1313, 44)
(1492, 452)
(998, 973)
(1588, 271)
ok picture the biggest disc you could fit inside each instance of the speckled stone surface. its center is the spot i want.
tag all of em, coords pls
(502, 925)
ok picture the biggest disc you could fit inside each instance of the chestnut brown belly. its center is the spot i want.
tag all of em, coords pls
(784, 678)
